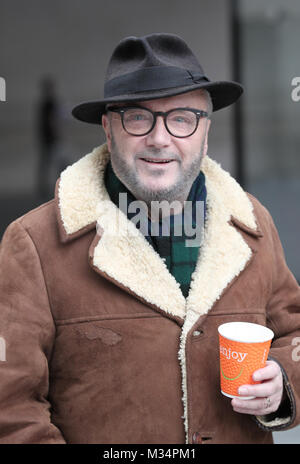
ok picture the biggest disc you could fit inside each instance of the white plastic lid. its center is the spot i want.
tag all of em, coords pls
(245, 332)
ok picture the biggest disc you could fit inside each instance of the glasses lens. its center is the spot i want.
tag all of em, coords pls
(137, 121)
(181, 122)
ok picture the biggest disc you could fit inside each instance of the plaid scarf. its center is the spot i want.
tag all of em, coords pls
(171, 246)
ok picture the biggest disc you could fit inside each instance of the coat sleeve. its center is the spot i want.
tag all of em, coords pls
(283, 317)
(27, 333)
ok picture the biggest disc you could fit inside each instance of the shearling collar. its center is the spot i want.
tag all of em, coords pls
(81, 187)
(82, 203)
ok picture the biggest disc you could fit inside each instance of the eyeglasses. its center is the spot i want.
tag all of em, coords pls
(179, 122)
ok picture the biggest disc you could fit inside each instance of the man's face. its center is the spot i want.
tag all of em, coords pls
(131, 155)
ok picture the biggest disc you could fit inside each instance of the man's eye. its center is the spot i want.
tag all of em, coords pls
(138, 117)
(181, 120)
(135, 117)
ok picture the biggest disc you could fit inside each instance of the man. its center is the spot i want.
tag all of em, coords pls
(111, 333)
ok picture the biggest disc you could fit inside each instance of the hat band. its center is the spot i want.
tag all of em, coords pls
(152, 78)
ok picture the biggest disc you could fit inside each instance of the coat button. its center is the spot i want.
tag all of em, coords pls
(196, 333)
(197, 438)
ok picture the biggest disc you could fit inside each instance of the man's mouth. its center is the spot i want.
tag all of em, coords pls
(157, 161)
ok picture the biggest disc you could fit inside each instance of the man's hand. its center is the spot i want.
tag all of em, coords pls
(268, 394)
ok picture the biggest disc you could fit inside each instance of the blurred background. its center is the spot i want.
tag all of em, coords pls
(53, 55)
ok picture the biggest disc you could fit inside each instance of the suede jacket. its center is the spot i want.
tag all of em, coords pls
(97, 342)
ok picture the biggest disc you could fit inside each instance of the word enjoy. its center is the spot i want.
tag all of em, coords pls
(232, 354)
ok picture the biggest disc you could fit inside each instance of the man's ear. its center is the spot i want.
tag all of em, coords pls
(107, 130)
(205, 146)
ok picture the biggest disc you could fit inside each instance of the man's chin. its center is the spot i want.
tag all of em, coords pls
(158, 194)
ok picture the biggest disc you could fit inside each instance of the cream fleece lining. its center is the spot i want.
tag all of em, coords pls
(274, 423)
(81, 188)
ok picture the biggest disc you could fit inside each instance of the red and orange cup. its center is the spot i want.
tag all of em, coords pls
(244, 348)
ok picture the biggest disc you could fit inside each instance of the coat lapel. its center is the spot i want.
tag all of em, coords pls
(125, 255)
(121, 252)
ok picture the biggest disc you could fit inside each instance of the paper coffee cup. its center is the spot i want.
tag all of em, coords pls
(244, 348)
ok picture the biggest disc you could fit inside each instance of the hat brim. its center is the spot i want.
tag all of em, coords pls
(223, 94)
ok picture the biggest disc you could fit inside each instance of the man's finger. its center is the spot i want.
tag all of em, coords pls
(271, 370)
(261, 390)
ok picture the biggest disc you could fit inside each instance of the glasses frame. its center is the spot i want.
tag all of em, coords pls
(122, 109)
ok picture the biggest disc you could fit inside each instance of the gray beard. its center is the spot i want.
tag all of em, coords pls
(178, 191)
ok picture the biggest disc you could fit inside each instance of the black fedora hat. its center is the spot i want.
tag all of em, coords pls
(154, 66)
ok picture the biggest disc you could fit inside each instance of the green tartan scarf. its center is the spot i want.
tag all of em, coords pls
(180, 259)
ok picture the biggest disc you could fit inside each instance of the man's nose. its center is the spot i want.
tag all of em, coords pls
(159, 136)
